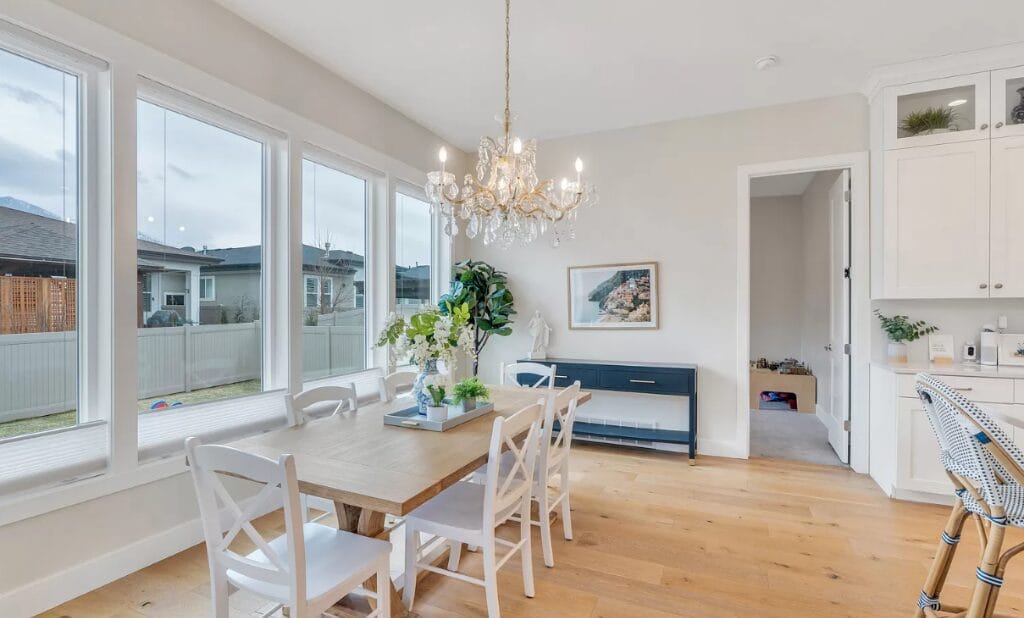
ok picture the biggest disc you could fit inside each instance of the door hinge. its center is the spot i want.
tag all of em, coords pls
(846, 425)
(846, 348)
(846, 196)
(846, 273)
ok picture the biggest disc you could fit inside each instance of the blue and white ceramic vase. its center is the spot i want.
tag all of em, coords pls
(419, 388)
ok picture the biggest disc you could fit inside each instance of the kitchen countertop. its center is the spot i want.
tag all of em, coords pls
(971, 370)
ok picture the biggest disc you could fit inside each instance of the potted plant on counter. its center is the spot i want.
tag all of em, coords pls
(901, 330)
(436, 408)
(468, 392)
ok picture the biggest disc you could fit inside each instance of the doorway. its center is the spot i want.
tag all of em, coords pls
(804, 308)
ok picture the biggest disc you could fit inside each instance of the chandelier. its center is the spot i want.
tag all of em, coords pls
(505, 201)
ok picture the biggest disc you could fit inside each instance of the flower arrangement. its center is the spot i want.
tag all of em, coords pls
(470, 389)
(429, 335)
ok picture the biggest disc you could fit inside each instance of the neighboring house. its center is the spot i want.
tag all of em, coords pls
(412, 285)
(231, 287)
(37, 246)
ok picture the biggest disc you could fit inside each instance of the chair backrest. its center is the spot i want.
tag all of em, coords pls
(280, 489)
(505, 489)
(399, 381)
(974, 449)
(556, 431)
(510, 373)
(296, 405)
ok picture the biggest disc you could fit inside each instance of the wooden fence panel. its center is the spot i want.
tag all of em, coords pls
(37, 305)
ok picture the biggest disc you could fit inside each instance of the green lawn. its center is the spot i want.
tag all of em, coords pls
(66, 419)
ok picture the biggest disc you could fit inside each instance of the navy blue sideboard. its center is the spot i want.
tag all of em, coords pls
(650, 378)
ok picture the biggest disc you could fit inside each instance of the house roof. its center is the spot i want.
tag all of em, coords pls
(29, 236)
(248, 258)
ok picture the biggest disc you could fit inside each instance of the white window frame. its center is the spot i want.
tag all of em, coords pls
(183, 295)
(306, 293)
(327, 289)
(211, 288)
(440, 246)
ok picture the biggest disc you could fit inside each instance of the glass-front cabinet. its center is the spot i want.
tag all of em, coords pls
(939, 111)
(1008, 102)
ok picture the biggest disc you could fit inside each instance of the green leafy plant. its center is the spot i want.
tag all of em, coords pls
(484, 289)
(437, 394)
(899, 328)
(429, 335)
(470, 388)
(928, 119)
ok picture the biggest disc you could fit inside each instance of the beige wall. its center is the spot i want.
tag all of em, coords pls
(776, 277)
(668, 193)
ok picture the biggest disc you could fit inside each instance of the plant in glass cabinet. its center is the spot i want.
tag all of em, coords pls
(470, 388)
(929, 119)
(901, 329)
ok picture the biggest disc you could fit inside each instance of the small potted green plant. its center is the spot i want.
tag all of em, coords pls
(436, 408)
(900, 329)
(928, 121)
(468, 392)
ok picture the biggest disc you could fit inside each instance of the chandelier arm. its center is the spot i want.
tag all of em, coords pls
(508, 62)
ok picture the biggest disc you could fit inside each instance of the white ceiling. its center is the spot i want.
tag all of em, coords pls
(588, 65)
(785, 185)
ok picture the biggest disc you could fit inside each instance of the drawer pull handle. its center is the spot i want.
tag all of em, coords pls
(562, 377)
(963, 388)
(632, 381)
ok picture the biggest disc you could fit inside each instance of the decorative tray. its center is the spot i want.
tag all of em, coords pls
(411, 417)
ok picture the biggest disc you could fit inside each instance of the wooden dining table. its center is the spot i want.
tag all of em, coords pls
(369, 469)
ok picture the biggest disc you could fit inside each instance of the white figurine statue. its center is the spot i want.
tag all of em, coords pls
(541, 333)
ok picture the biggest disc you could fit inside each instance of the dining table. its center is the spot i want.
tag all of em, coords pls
(371, 470)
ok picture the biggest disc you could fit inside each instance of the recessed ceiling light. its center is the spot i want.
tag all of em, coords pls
(150, 219)
(957, 102)
(767, 62)
(181, 228)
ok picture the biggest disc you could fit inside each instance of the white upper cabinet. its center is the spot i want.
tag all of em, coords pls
(1007, 246)
(954, 109)
(1008, 102)
(936, 223)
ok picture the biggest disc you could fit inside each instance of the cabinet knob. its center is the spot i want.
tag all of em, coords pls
(983, 127)
(999, 125)
(982, 286)
(998, 286)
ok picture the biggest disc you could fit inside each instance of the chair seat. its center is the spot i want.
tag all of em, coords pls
(333, 557)
(1013, 503)
(461, 506)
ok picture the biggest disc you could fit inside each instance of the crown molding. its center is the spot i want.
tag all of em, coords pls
(943, 66)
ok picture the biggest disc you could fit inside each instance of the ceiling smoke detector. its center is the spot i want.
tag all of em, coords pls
(767, 62)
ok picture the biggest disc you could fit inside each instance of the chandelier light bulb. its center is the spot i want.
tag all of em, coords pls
(517, 146)
(579, 165)
(442, 155)
(565, 184)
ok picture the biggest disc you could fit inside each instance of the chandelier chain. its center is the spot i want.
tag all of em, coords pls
(508, 62)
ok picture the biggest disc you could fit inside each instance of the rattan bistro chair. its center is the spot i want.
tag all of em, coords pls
(987, 471)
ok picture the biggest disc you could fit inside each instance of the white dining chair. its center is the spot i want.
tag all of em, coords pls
(552, 461)
(297, 406)
(308, 568)
(395, 384)
(469, 512)
(510, 373)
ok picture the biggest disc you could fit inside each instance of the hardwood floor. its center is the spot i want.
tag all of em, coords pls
(657, 538)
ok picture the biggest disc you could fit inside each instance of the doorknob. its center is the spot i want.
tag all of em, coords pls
(999, 125)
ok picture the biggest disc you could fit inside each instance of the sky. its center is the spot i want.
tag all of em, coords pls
(197, 184)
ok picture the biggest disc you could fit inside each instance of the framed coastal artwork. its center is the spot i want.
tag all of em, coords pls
(613, 296)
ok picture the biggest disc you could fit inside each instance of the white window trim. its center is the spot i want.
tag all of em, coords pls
(183, 295)
(211, 288)
(327, 289)
(306, 293)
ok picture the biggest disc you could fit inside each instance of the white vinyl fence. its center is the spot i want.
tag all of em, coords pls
(39, 371)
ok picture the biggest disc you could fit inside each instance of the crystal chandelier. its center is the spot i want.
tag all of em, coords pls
(505, 201)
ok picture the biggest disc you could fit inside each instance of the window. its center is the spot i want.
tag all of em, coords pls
(200, 216)
(207, 289)
(334, 206)
(40, 238)
(413, 249)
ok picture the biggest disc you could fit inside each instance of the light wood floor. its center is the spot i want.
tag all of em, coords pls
(657, 538)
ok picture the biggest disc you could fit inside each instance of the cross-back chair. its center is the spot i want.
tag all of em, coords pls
(469, 512)
(510, 373)
(394, 384)
(297, 406)
(308, 568)
(987, 471)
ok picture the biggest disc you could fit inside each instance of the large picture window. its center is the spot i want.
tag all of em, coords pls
(413, 251)
(39, 246)
(200, 213)
(334, 271)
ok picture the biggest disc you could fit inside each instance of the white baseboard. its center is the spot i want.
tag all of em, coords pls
(721, 448)
(43, 594)
(829, 422)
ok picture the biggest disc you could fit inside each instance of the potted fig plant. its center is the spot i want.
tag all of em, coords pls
(484, 290)
(900, 330)
(436, 408)
(468, 393)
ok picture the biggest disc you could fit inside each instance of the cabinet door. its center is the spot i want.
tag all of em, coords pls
(936, 236)
(918, 467)
(938, 111)
(1008, 102)
(1007, 269)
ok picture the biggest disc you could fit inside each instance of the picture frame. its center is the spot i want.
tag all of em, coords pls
(613, 296)
(1011, 349)
(940, 349)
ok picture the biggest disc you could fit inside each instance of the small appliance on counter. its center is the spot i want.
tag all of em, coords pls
(989, 346)
(970, 354)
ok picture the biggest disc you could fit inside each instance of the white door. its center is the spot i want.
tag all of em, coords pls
(839, 302)
(936, 211)
(1006, 100)
(1007, 268)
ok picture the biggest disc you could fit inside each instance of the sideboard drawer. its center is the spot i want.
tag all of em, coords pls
(644, 381)
(567, 374)
(992, 390)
